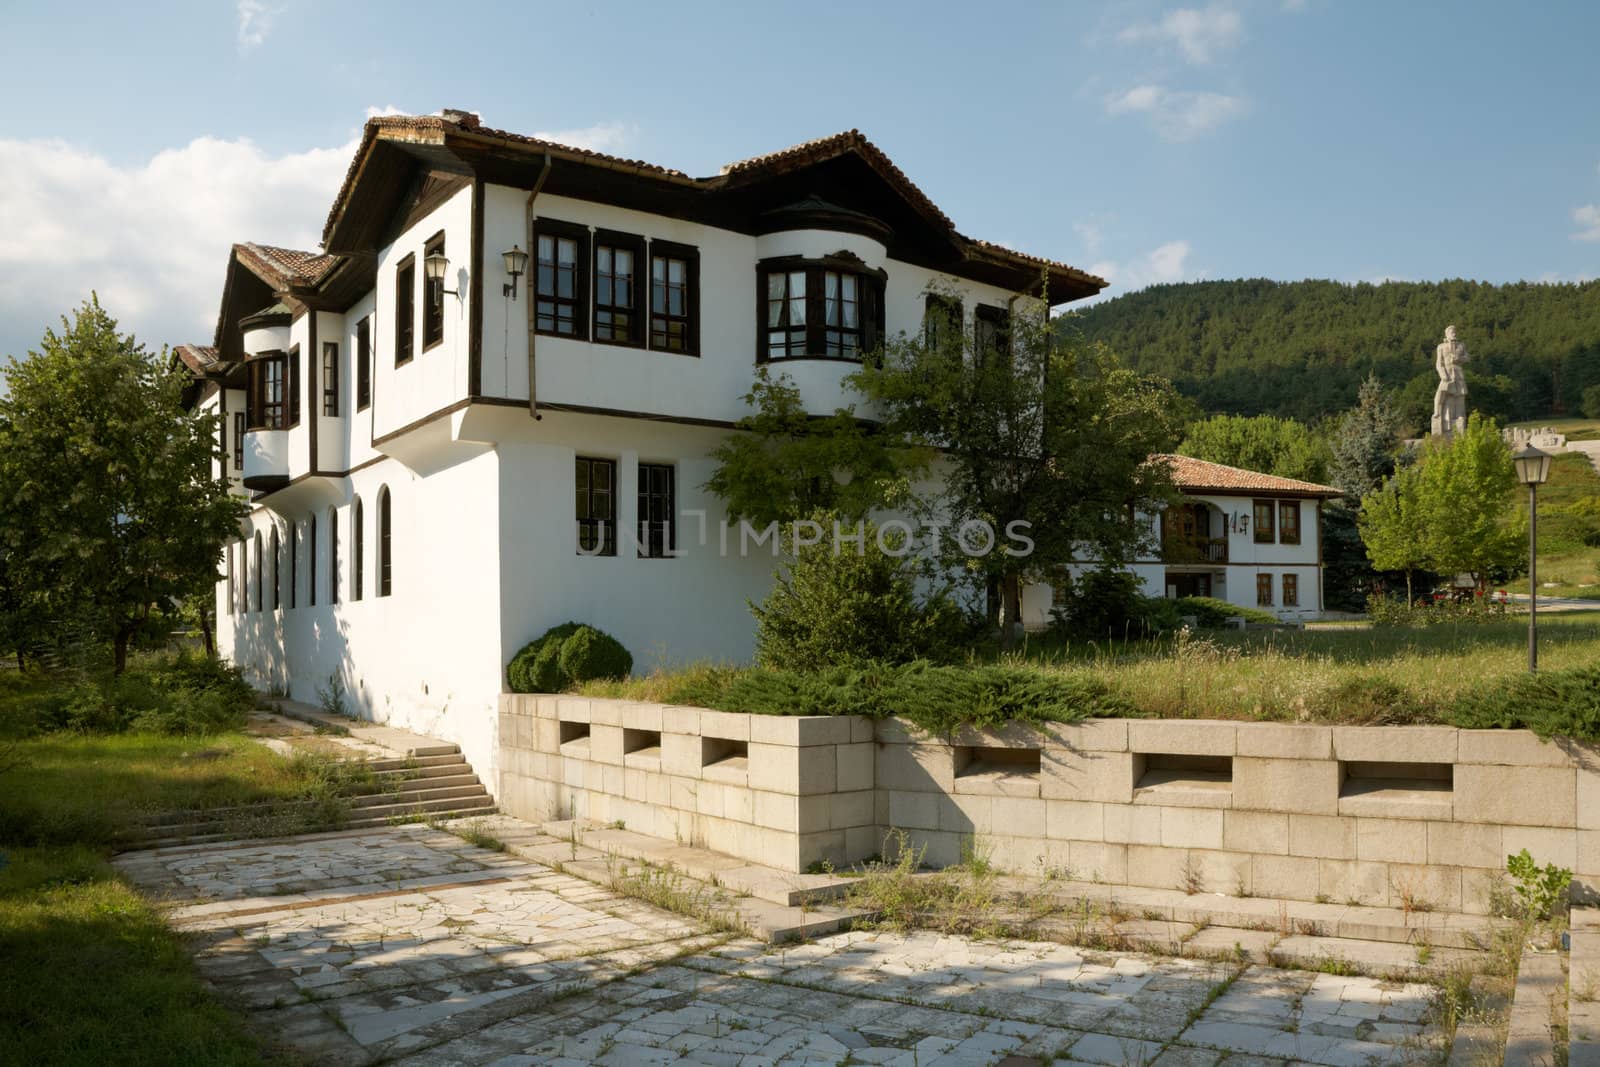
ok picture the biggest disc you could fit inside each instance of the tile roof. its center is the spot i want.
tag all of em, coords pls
(198, 358)
(433, 128)
(1199, 475)
(302, 268)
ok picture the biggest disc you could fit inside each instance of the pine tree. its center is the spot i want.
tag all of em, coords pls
(1365, 441)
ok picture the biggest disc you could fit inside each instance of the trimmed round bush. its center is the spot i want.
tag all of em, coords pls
(590, 654)
(565, 654)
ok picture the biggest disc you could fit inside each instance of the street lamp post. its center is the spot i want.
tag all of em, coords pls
(1533, 467)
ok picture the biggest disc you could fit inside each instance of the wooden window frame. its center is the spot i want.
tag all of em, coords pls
(1264, 591)
(689, 255)
(405, 310)
(333, 555)
(616, 241)
(1291, 590)
(311, 561)
(277, 569)
(239, 426)
(330, 379)
(233, 607)
(364, 363)
(385, 542)
(260, 414)
(294, 563)
(1267, 533)
(291, 384)
(358, 551)
(941, 308)
(433, 298)
(991, 317)
(557, 230)
(813, 333)
(1289, 532)
(662, 543)
(259, 584)
(587, 523)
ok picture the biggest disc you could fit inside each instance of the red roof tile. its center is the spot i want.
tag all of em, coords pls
(303, 268)
(1202, 476)
(198, 358)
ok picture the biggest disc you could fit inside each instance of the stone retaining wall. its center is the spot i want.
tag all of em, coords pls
(1405, 816)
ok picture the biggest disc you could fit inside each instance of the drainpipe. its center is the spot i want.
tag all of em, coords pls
(533, 249)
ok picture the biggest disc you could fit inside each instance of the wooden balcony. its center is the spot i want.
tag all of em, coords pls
(1194, 550)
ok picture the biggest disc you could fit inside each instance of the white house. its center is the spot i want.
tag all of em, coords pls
(440, 470)
(1248, 538)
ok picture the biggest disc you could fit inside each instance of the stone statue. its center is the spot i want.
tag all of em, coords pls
(1450, 400)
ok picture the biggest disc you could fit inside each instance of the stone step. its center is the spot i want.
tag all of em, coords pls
(459, 812)
(433, 781)
(380, 813)
(417, 796)
(402, 764)
(1583, 989)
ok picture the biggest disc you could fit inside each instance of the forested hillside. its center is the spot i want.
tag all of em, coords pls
(1301, 349)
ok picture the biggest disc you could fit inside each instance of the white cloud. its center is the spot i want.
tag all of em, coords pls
(256, 18)
(152, 237)
(1178, 115)
(601, 137)
(1199, 34)
(1092, 234)
(1165, 263)
(1588, 219)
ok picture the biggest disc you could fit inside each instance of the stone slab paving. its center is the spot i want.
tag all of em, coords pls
(408, 945)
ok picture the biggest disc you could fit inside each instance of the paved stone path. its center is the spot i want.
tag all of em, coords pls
(408, 945)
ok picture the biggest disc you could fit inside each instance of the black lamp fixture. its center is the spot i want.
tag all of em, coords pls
(516, 262)
(434, 267)
(1533, 470)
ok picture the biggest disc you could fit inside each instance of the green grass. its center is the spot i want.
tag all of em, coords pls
(89, 974)
(1569, 515)
(1448, 673)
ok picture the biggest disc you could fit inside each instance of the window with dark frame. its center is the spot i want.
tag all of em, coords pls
(618, 296)
(232, 563)
(405, 312)
(942, 321)
(333, 555)
(330, 378)
(260, 586)
(818, 309)
(358, 550)
(674, 298)
(596, 506)
(385, 544)
(244, 578)
(293, 386)
(991, 333)
(1263, 590)
(264, 397)
(1289, 522)
(294, 563)
(1291, 590)
(311, 561)
(658, 524)
(433, 304)
(238, 440)
(1264, 531)
(277, 569)
(561, 279)
(364, 363)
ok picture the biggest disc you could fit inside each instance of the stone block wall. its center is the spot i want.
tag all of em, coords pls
(1406, 816)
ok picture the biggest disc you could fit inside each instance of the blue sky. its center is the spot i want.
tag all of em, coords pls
(1148, 141)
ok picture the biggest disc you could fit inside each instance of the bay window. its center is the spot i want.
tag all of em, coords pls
(830, 308)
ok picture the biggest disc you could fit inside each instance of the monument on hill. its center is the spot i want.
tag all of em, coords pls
(1450, 399)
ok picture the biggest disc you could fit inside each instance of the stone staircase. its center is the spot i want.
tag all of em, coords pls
(1583, 989)
(408, 777)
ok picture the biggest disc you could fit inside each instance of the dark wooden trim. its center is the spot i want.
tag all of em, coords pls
(293, 376)
(433, 244)
(690, 254)
(580, 283)
(475, 300)
(314, 372)
(408, 263)
(870, 300)
(627, 242)
(437, 413)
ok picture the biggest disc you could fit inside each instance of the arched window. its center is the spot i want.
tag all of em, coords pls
(385, 551)
(333, 555)
(311, 559)
(294, 562)
(277, 567)
(233, 603)
(258, 570)
(359, 548)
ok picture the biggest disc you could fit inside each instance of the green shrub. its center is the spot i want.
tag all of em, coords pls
(1213, 614)
(1550, 703)
(1388, 611)
(179, 695)
(571, 652)
(1540, 890)
(589, 654)
(1099, 604)
(1373, 701)
(526, 674)
(1591, 402)
(828, 609)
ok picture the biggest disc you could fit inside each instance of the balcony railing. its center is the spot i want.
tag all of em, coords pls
(1195, 550)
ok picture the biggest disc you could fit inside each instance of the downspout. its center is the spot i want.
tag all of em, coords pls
(533, 249)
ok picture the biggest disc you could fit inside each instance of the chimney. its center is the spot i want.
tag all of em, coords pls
(467, 120)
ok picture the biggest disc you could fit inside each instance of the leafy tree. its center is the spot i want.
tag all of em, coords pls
(108, 508)
(1263, 443)
(1039, 432)
(1393, 524)
(1466, 488)
(1591, 402)
(1365, 441)
(786, 464)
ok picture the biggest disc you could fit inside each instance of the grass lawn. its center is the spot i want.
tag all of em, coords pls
(1362, 674)
(89, 973)
(1569, 515)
